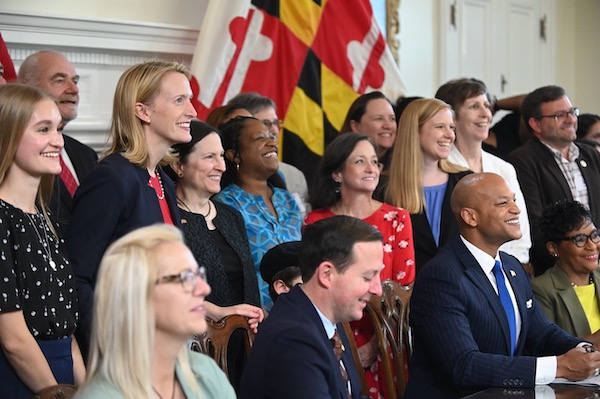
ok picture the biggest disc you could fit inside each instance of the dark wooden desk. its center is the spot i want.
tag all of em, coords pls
(560, 392)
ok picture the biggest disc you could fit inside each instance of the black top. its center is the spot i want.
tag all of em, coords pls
(232, 266)
(213, 256)
(29, 282)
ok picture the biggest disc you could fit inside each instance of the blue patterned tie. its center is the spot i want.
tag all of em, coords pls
(507, 304)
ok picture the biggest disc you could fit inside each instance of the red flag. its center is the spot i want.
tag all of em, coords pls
(312, 59)
(6, 61)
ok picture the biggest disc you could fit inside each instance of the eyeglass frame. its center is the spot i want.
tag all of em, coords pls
(563, 114)
(184, 277)
(275, 122)
(588, 237)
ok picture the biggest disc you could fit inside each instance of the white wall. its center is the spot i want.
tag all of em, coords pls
(419, 46)
(187, 13)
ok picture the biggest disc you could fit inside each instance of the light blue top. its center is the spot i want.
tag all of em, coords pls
(213, 382)
(264, 229)
(434, 198)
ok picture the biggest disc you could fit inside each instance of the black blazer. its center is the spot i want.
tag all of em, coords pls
(293, 358)
(461, 334)
(230, 224)
(543, 183)
(425, 246)
(113, 200)
(83, 159)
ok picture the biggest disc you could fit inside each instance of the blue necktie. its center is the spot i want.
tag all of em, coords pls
(507, 304)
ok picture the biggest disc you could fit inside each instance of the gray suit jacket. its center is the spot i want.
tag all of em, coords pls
(560, 303)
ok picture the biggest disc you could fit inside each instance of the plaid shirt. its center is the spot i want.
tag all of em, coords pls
(572, 173)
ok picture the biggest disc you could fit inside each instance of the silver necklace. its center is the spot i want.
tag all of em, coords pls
(45, 241)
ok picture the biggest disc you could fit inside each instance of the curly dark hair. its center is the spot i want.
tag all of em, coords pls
(561, 217)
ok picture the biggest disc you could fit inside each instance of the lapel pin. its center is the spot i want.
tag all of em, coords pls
(583, 163)
(512, 273)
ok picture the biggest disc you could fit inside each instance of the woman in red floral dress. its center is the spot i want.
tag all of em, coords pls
(344, 185)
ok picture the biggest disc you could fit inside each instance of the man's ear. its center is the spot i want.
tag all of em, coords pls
(353, 124)
(535, 125)
(469, 216)
(324, 273)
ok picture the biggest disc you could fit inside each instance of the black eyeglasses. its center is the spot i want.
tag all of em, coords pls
(275, 122)
(562, 115)
(187, 278)
(580, 240)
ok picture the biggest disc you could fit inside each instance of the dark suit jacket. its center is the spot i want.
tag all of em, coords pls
(543, 183)
(559, 301)
(425, 246)
(112, 201)
(83, 159)
(292, 356)
(461, 334)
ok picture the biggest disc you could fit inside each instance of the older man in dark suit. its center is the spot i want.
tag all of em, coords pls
(53, 73)
(472, 311)
(294, 354)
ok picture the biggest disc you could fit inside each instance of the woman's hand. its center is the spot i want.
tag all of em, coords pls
(368, 353)
(254, 314)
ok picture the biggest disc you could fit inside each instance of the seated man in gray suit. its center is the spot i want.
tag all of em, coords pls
(297, 351)
(472, 310)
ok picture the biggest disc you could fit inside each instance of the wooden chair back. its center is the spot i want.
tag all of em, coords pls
(389, 313)
(354, 350)
(395, 306)
(215, 341)
(60, 391)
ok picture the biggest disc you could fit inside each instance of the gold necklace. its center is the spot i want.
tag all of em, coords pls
(45, 241)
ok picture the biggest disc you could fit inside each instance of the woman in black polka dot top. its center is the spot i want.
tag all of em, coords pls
(38, 305)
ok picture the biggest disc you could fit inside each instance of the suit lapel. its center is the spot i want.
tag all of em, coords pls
(480, 281)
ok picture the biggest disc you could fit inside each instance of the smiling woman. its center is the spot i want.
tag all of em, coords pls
(127, 189)
(216, 234)
(271, 214)
(568, 292)
(38, 307)
(149, 300)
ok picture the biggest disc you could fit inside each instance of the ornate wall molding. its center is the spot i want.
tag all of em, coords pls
(100, 50)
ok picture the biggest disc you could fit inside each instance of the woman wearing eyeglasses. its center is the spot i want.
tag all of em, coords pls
(569, 292)
(149, 300)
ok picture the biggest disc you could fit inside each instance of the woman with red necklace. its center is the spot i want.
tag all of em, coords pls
(127, 189)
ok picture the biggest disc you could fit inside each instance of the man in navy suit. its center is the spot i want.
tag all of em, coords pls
(54, 74)
(462, 334)
(292, 357)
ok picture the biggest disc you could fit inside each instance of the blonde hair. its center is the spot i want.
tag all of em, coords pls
(404, 188)
(139, 83)
(123, 327)
(17, 105)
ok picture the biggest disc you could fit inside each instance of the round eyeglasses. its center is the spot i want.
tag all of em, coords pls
(188, 278)
(580, 240)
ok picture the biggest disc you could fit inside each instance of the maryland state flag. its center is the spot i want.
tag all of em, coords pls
(312, 57)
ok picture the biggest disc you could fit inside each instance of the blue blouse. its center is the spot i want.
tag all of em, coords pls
(265, 230)
(434, 198)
